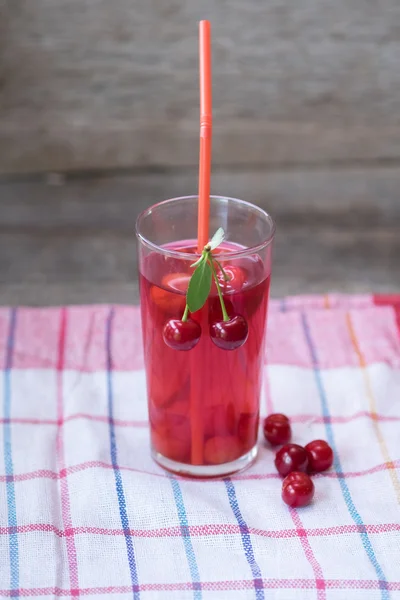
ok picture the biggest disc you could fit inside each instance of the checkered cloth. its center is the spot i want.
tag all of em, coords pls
(85, 512)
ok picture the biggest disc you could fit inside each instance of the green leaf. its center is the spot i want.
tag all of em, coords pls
(217, 239)
(199, 287)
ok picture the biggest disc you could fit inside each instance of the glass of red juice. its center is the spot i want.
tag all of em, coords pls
(204, 402)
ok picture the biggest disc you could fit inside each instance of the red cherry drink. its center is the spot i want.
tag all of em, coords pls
(230, 380)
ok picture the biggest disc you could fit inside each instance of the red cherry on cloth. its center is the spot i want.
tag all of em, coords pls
(181, 335)
(229, 335)
(297, 489)
(277, 429)
(291, 457)
(320, 456)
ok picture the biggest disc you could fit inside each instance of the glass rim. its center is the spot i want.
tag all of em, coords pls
(189, 256)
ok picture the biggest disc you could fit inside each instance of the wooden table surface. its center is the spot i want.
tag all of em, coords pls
(71, 240)
(306, 124)
(98, 84)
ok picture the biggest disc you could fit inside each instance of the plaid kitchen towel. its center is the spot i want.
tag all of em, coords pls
(85, 512)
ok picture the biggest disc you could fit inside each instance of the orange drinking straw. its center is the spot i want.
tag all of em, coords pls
(199, 358)
(205, 134)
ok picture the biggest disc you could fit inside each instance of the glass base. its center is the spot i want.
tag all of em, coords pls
(206, 471)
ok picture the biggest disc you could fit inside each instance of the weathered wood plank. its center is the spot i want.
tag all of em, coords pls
(342, 197)
(338, 230)
(307, 259)
(53, 294)
(93, 83)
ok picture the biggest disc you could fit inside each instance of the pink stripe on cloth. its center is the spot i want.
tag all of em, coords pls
(299, 418)
(300, 531)
(36, 340)
(377, 335)
(333, 367)
(213, 586)
(314, 302)
(77, 416)
(55, 475)
(390, 300)
(316, 567)
(36, 343)
(331, 335)
(205, 530)
(89, 324)
(4, 334)
(65, 496)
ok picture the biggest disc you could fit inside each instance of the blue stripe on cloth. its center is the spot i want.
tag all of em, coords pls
(246, 540)
(117, 474)
(8, 461)
(366, 542)
(190, 555)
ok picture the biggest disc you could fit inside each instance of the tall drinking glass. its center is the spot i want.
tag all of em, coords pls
(204, 403)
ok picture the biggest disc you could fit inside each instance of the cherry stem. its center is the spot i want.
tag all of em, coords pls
(185, 314)
(211, 263)
(221, 268)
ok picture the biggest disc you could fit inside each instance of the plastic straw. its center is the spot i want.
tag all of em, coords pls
(205, 133)
(199, 356)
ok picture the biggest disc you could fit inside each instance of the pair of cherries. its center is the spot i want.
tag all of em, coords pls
(227, 335)
(295, 462)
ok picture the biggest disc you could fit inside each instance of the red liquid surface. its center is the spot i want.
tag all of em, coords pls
(203, 403)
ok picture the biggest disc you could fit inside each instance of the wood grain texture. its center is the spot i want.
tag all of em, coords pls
(87, 269)
(339, 197)
(93, 83)
(74, 243)
(300, 252)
